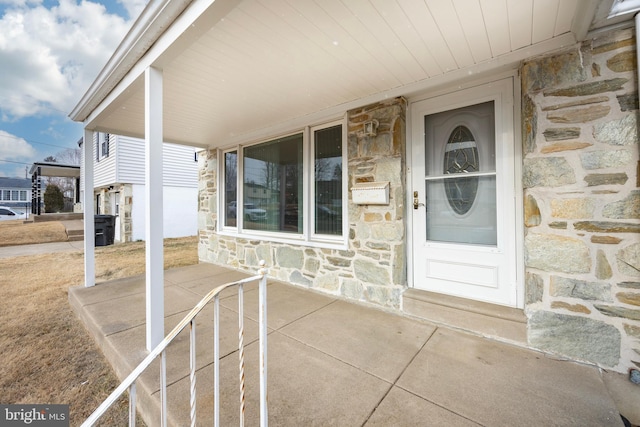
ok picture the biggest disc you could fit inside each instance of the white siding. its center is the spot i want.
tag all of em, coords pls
(179, 166)
(105, 169)
(180, 212)
(130, 160)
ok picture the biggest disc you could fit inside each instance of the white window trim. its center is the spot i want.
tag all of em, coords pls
(312, 195)
(308, 236)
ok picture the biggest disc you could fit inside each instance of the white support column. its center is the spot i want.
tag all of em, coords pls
(87, 209)
(154, 207)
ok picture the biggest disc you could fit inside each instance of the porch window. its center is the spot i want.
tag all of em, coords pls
(328, 180)
(273, 196)
(287, 186)
(230, 186)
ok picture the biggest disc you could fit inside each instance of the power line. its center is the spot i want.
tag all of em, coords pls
(13, 161)
(34, 142)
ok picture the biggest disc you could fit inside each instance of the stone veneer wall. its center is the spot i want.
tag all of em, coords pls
(373, 267)
(125, 205)
(582, 204)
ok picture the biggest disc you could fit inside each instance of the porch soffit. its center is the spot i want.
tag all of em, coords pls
(271, 62)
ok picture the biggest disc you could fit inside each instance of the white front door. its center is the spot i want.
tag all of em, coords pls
(463, 204)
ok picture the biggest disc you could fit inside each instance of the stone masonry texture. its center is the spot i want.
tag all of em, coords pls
(372, 269)
(580, 145)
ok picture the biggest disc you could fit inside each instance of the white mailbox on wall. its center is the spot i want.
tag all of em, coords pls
(371, 193)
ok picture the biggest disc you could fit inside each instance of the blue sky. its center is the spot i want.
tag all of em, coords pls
(50, 52)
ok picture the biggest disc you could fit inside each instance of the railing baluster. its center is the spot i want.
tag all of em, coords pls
(132, 405)
(241, 350)
(192, 372)
(216, 362)
(262, 313)
(163, 388)
(129, 383)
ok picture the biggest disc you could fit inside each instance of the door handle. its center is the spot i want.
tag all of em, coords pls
(416, 201)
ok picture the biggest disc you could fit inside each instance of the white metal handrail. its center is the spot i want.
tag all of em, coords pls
(129, 383)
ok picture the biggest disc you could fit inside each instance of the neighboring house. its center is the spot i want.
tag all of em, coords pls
(15, 193)
(426, 157)
(119, 186)
(65, 177)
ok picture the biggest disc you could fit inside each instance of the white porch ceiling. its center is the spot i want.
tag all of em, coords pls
(268, 62)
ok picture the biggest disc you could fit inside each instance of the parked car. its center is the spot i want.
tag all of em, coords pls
(323, 211)
(253, 213)
(10, 214)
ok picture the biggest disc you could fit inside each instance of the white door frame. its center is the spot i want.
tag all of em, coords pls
(517, 169)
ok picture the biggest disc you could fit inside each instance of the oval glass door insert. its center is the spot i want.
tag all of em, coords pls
(461, 157)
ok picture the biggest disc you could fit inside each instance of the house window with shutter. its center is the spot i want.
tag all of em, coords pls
(105, 145)
(102, 146)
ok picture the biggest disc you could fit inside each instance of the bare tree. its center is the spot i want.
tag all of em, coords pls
(69, 156)
(271, 175)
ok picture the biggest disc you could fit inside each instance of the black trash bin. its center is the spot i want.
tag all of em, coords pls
(105, 229)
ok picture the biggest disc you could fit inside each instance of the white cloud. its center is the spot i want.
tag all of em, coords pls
(50, 56)
(15, 148)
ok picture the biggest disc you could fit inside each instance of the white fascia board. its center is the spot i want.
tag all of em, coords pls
(144, 32)
(624, 7)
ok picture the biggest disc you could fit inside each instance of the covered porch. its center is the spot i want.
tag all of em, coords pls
(337, 363)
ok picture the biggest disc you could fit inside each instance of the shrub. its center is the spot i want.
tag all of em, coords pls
(53, 199)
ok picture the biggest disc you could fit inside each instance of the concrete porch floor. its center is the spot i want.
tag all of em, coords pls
(333, 363)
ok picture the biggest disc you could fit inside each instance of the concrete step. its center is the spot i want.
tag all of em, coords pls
(74, 229)
(488, 320)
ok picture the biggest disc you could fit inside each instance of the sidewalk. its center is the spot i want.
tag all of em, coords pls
(40, 248)
(73, 228)
(334, 363)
